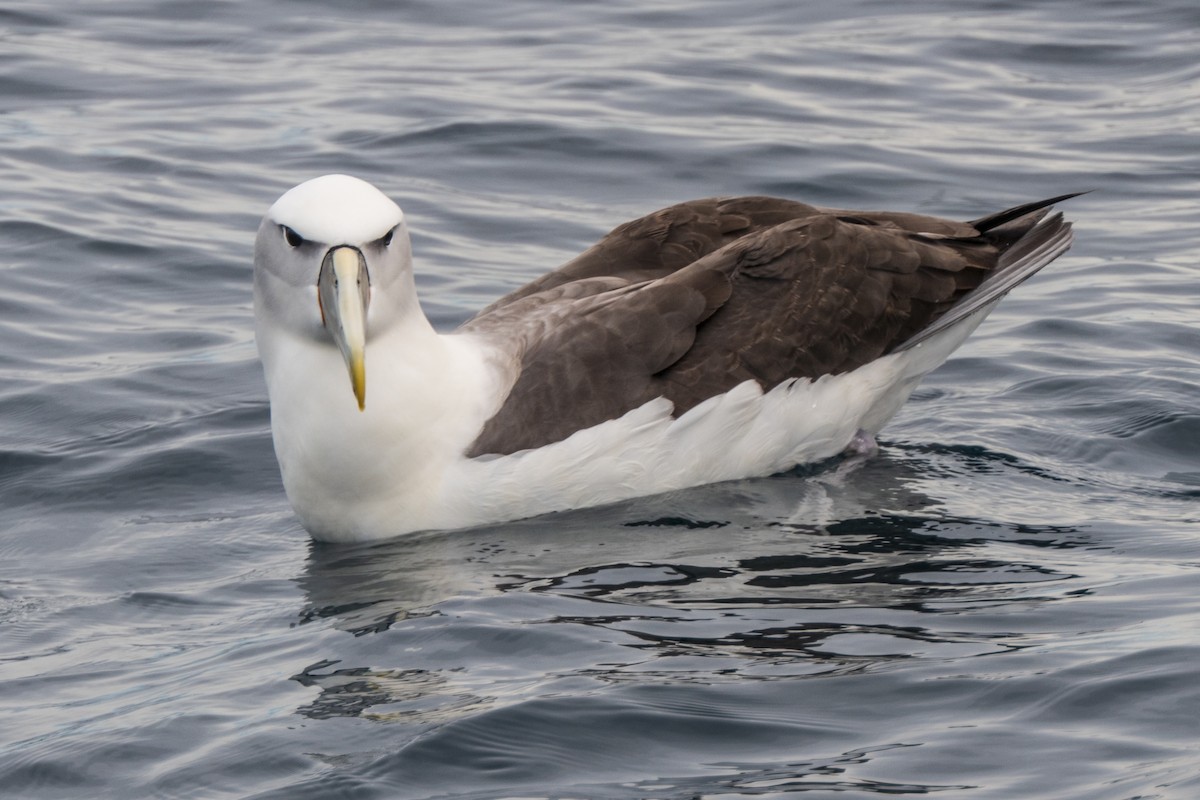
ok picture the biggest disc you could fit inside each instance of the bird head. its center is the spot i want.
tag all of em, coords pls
(329, 252)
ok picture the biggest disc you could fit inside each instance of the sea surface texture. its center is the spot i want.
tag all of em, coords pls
(1004, 603)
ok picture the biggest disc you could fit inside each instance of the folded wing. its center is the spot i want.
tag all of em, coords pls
(690, 301)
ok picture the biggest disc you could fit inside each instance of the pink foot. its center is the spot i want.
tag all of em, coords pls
(862, 445)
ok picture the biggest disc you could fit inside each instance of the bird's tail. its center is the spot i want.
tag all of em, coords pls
(1029, 238)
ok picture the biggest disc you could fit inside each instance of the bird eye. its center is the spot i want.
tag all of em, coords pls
(386, 239)
(291, 237)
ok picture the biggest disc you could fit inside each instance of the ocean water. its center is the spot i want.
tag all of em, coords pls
(1003, 603)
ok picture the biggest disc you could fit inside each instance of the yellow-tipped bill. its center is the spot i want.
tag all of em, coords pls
(344, 291)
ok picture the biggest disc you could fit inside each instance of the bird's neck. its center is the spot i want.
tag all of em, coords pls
(427, 397)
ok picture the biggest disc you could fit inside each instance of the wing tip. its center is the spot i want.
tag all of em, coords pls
(990, 222)
(1045, 239)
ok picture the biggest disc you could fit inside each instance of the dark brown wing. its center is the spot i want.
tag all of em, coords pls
(695, 299)
(588, 351)
(828, 294)
(666, 241)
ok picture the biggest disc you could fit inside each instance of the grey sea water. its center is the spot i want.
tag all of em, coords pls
(1004, 603)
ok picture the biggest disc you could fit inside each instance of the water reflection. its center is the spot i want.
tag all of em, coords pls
(792, 576)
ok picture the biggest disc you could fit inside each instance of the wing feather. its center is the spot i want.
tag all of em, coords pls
(690, 301)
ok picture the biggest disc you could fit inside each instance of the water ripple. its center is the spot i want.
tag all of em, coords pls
(1007, 587)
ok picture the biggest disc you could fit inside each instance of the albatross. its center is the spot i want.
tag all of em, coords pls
(717, 339)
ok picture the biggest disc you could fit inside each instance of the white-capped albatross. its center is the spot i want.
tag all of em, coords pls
(716, 339)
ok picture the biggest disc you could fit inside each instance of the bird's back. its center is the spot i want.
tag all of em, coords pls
(690, 301)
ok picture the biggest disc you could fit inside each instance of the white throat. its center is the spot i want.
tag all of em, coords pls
(351, 473)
